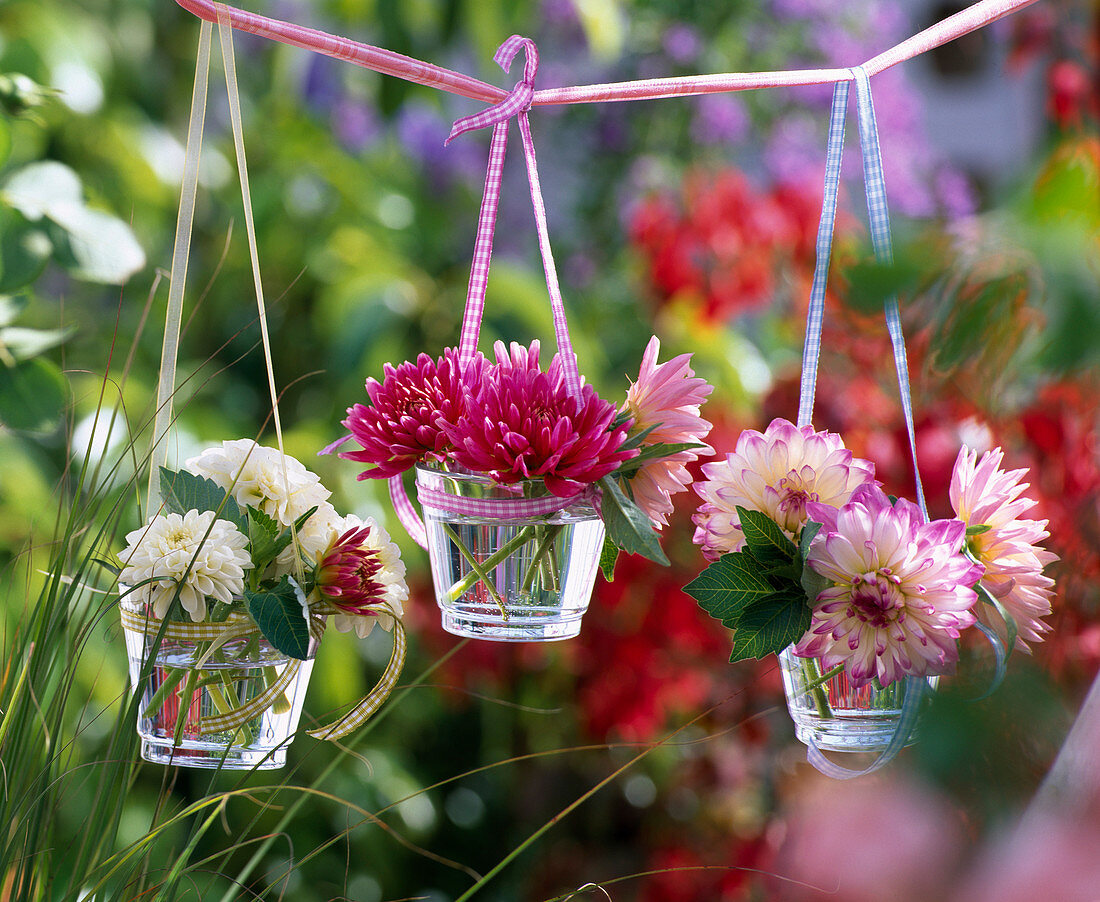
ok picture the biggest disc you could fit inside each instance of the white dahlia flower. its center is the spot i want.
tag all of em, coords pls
(262, 478)
(205, 557)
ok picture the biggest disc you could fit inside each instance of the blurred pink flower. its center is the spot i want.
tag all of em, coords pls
(984, 494)
(522, 423)
(869, 840)
(402, 424)
(901, 589)
(666, 397)
(777, 472)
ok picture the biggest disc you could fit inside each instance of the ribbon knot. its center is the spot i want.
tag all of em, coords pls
(518, 100)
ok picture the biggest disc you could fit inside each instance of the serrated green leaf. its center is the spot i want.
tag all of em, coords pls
(183, 492)
(271, 544)
(609, 554)
(627, 524)
(728, 585)
(281, 616)
(770, 626)
(764, 538)
(263, 537)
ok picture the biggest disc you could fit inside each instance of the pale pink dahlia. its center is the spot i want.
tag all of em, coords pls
(402, 425)
(666, 396)
(984, 494)
(777, 472)
(522, 423)
(901, 589)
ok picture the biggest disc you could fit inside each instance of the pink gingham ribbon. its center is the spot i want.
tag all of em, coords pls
(517, 103)
(504, 508)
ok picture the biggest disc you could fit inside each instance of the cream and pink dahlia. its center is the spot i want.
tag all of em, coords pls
(900, 594)
(522, 423)
(403, 423)
(362, 576)
(778, 472)
(666, 398)
(982, 494)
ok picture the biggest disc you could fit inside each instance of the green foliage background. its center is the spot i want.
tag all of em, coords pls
(365, 240)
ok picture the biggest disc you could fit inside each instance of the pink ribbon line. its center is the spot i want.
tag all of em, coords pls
(398, 65)
(516, 104)
(496, 508)
(491, 508)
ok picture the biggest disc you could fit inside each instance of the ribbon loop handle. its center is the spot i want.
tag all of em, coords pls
(518, 100)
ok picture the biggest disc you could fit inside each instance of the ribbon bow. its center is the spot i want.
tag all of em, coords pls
(518, 101)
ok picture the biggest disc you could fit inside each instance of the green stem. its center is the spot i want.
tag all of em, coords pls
(815, 680)
(479, 569)
(175, 676)
(546, 542)
(184, 707)
(282, 704)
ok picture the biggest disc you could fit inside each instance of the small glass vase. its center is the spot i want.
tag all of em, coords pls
(510, 579)
(177, 696)
(836, 716)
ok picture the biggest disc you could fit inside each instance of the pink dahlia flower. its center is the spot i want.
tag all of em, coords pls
(402, 425)
(901, 589)
(777, 472)
(666, 396)
(361, 574)
(984, 494)
(522, 423)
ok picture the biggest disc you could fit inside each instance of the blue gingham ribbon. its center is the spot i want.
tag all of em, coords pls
(879, 217)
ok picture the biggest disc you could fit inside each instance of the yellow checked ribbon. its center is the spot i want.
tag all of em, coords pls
(240, 626)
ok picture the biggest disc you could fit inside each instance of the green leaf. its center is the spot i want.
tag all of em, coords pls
(809, 532)
(728, 585)
(812, 582)
(263, 537)
(770, 626)
(269, 541)
(23, 344)
(11, 307)
(627, 524)
(183, 492)
(96, 246)
(656, 451)
(32, 395)
(24, 251)
(281, 616)
(608, 556)
(5, 140)
(978, 529)
(43, 188)
(765, 539)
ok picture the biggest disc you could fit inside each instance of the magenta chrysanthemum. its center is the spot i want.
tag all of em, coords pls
(984, 494)
(777, 472)
(522, 423)
(901, 589)
(667, 398)
(402, 425)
